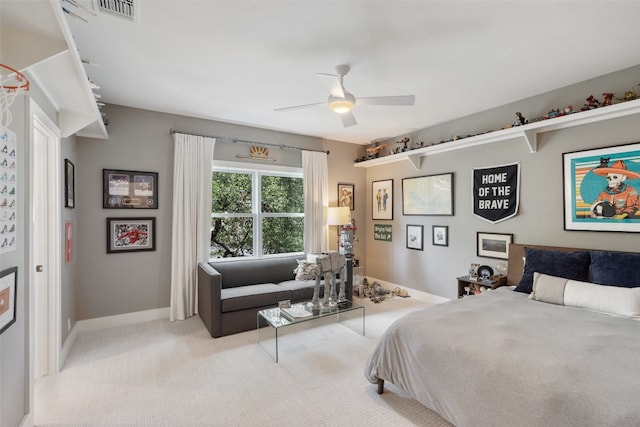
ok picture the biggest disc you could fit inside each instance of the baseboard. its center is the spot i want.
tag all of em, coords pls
(121, 320)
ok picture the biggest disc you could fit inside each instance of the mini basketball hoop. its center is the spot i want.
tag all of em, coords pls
(11, 84)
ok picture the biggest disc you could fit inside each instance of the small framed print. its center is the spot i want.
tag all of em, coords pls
(131, 234)
(494, 245)
(415, 235)
(8, 292)
(440, 235)
(346, 194)
(382, 196)
(129, 189)
(69, 184)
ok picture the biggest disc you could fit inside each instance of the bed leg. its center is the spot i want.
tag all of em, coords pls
(380, 386)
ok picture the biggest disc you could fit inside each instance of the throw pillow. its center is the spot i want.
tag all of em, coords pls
(615, 268)
(306, 270)
(570, 265)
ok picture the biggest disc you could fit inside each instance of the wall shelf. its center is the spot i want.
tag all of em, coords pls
(42, 48)
(528, 133)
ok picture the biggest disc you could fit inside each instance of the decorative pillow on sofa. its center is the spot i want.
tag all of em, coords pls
(306, 270)
(615, 268)
(570, 265)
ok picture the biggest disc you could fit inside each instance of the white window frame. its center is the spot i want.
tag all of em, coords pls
(256, 174)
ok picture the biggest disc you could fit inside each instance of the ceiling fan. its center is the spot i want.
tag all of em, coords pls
(342, 102)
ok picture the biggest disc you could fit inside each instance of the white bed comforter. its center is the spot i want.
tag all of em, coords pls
(502, 359)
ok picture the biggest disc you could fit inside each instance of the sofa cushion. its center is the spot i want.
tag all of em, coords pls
(252, 296)
(301, 290)
(256, 270)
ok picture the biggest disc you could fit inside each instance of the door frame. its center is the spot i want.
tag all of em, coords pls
(53, 346)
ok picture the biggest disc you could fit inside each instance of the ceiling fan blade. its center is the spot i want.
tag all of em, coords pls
(332, 82)
(387, 100)
(348, 119)
(299, 107)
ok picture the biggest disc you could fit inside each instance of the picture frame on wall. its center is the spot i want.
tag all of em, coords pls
(382, 199)
(69, 184)
(415, 234)
(601, 187)
(122, 189)
(131, 234)
(440, 235)
(346, 195)
(8, 297)
(428, 195)
(494, 245)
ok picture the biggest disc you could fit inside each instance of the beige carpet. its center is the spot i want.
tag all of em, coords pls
(163, 373)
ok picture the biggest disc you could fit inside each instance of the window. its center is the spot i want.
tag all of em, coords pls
(256, 213)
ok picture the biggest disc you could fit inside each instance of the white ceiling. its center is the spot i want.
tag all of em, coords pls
(236, 61)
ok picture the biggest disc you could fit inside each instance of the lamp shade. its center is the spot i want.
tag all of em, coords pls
(338, 215)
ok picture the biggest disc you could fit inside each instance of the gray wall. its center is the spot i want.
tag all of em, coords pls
(14, 342)
(540, 217)
(111, 284)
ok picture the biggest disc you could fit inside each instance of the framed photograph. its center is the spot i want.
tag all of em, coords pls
(129, 189)
(428, 195)
(346, 195)
(494, 245)
(131, 234)
(415, 234)
(440, 234)
(382, 196)
(8, 292)
(69, 184)
(601, 189)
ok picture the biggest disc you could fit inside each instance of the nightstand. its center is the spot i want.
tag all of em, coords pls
(476, 285)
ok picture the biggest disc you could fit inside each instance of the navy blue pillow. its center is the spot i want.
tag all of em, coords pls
(570, 265)
(615, 268)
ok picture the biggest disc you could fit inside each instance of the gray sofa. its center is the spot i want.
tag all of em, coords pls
(231, 292)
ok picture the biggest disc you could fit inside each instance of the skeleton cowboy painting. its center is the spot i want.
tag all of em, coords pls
(618, 200)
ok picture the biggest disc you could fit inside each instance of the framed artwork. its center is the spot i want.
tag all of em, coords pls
(601, 189)
(428, 195)
(440, 235)
(346, 195)
(415, 235)
(69, 184)
(129, 189)
(382, 197)
(8, 292)
(494, 245)
(131, 234)
(382, 232)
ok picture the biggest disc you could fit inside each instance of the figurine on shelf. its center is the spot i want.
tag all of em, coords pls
(568, 109)
(405, 141)
(628, 96)
(520, 120)
(608, 99)
(551, 114)
(592, 103)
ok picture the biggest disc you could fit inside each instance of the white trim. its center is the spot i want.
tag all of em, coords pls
(120, 320)
(226, 164)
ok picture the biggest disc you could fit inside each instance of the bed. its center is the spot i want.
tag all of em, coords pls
(568, 354)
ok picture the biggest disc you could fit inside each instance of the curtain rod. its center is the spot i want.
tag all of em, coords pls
(241, 141)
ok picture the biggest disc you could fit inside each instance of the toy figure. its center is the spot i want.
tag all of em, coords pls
(592, 103)
(608, 99)
(521, 120)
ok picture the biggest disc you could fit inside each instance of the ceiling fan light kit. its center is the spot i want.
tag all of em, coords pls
(342, 105)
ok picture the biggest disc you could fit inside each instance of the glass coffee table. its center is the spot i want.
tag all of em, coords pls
(272, 322)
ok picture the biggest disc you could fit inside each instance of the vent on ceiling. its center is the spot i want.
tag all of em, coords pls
(122, 8)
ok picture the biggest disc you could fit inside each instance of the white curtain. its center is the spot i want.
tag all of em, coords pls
(191, 227)
(316, 200)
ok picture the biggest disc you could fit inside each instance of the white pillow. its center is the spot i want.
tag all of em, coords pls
(605, 299)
